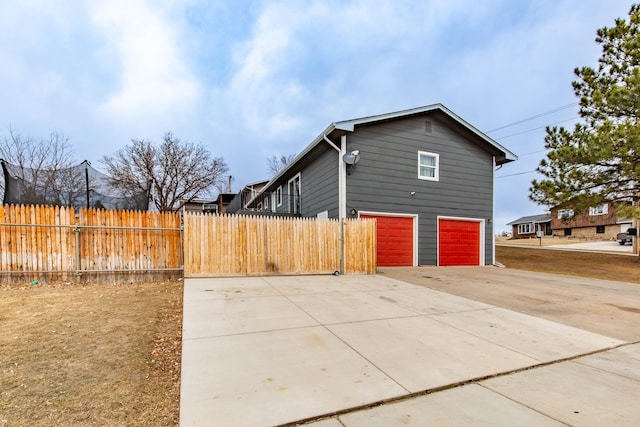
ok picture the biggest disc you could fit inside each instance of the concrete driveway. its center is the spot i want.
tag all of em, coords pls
(325, 349)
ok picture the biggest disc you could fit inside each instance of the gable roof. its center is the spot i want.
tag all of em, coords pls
(532, 218)
(505, 156)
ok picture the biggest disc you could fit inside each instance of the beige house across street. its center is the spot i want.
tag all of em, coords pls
(597, 223)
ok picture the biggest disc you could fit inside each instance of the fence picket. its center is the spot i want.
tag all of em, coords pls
(40, 242)
(254, 245)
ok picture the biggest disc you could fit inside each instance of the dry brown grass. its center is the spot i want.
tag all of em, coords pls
(623, 268)
(99, 354)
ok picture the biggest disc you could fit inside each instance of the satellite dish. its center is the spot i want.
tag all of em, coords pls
(352, 158)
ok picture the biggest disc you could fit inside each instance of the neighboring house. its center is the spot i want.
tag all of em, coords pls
(240, 201)
(199, 205)
(528, 226)
(424, 174)
(598, 222)
(223, 200)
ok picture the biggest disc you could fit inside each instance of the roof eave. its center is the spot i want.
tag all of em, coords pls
(350, 125)
(300, 156)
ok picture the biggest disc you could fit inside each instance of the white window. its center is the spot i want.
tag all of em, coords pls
(294, 194)
(603, 209)
(526, 228)
(279, 196)
(266, 203)
(565, 213)
(428, 166)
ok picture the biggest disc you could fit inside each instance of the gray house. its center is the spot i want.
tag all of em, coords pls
(424, 174)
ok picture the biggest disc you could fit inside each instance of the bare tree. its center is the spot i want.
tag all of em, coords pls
(276, 163)
(40, 169)
(179, 170)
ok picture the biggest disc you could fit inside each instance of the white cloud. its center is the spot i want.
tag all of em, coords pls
(303, 59)
(144, 44)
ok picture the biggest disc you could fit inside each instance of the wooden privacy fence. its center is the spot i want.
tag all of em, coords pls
(60, 244)
(256, 245)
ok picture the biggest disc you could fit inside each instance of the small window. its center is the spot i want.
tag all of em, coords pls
(294, 194)
(565, 213)
(567, 232)
(428, 166)
(600, 229)
(603, 209)
(266, 203)
(279, 196)
(525, 228)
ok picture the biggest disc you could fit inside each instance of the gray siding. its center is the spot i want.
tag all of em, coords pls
(388, 172)
(319, 182)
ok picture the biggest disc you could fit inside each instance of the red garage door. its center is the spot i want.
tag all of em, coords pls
(394, 240)
(458, 242)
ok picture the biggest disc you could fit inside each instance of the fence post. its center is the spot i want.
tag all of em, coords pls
(341, 243)
(76, 231)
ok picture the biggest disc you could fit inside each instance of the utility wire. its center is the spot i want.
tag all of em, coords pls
(514, 174)
(540, 127)
(555, 110)
(533, 152)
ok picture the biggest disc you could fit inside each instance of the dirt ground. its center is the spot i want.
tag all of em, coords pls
(98, 354)
(593, 303)
(625, 268)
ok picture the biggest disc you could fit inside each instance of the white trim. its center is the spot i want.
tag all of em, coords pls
(465, 219)
(436, 175)
(402, 215)
(297, 176)
(493, 211)
(601, 209)
(279, 196)
(342, 179)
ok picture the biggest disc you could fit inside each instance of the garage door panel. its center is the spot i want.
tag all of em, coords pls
(459, 242)
(395, 240)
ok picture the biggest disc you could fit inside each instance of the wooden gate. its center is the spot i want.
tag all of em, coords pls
(231, 245)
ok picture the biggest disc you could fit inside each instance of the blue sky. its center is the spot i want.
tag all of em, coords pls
(253, 79)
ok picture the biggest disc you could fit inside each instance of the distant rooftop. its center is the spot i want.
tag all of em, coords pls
(532, 218)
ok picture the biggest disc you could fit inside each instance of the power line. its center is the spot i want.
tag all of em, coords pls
(514, 174)
(533, 152)
(540, 127)
(555, 110)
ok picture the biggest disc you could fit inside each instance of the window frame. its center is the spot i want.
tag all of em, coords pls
(435, 168)
(279, 196)
(526, 228)
(565, 213)
(602, 209)
(295, 200)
